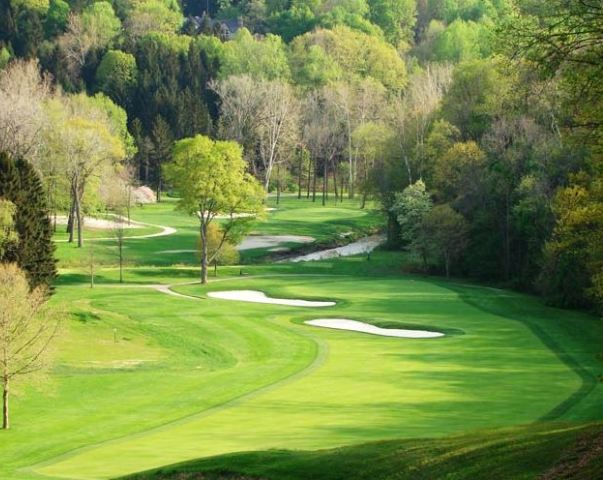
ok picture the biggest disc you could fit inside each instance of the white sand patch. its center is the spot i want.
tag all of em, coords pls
(364, 245)
(271, 241)
(164, 230)
(176, 251)
(355, 326)
(279, 249)
(260, 297)
(100, 223)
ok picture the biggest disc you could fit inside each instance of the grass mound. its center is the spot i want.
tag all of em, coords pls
(550, 452)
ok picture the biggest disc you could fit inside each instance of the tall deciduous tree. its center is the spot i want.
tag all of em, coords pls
(211, 179)
(23, 89)
(27, 328)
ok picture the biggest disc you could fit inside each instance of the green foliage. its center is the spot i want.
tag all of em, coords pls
(34, 251)
(411, 206)
(443, 233)
(4, 57)
(56, 19)
(210, 176)
(574, 255)
(153, 16)
(356, 54)
(116, 75)
(8, 235)
(99, 21)
(396, 18)
(477, 94)
(461, 41)
(311, 66)
(261, 58)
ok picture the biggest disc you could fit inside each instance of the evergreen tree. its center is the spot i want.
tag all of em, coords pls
(162, 147)
(34, 252)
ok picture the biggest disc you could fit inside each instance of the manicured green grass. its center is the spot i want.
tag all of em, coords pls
(290, 217)
(145, 379)
(557, 450)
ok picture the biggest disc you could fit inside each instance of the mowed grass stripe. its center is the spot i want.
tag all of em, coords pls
(370, 387)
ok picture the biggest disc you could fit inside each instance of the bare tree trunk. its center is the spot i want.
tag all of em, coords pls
(70, 220)
(314, 182)
(159, 186)
(278, 184)
(310, 163)
(78, 215)
(203, 231)
(335, 182)
(324, 183)
(299, 175)
(5, 411)
(447, 264)
(350, 158)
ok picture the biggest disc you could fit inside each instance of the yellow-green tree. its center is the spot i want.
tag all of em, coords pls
(211, 179)
(27, 328)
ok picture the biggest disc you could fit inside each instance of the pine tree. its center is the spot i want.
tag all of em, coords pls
(34, 253)
(162, 148)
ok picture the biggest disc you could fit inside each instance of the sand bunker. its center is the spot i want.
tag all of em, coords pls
(260, 297)
(364, 245)
(101, 223)
(271, 241)
(353, 325)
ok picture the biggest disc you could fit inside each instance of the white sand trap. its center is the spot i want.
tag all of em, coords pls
(176, 251)
(100, 223)
(270, 241)
(355, 326)
(364, 245)
(256, 296)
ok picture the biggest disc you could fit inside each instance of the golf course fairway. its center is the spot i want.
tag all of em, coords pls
(144, 379)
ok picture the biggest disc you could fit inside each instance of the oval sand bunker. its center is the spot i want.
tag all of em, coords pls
(260, 297)
(355, 326)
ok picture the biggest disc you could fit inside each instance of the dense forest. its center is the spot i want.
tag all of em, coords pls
(477, 125)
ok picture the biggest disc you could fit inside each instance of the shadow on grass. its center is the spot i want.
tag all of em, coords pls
(529, 311)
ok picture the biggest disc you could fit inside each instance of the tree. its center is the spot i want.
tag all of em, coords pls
(150, 16)
(116, 75)
(411, 206)
(276, 126)
(211, 179)
(27, 328)
(357, 54)
(372, 142)
(260, 58)
(222, 253)
(8, 235)
(34, 252)
(564, 40)
(23, 90)
(163, 141)
(476, 95)
(574, 255)
(95, 28)
(396, 18)
(444, 232)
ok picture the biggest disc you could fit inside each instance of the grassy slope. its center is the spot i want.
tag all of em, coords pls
(499, 373)
(193, 378)
(551, 450)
